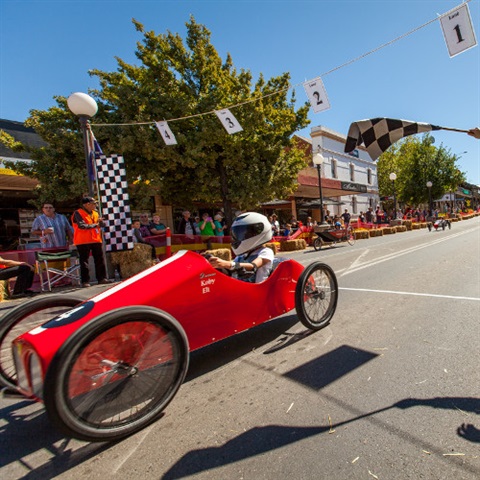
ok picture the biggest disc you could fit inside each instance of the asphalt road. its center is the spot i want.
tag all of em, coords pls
(389, 390)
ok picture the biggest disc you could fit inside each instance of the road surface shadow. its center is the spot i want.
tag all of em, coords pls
(260, 440)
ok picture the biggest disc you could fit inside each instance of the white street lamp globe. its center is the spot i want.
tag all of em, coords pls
(318, 159)
(82, 104)
(393, 176)
(429, 184)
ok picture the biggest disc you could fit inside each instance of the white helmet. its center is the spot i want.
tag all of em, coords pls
(249, 231)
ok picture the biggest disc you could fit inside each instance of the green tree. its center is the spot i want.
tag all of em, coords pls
(416, 161)
(183, 83)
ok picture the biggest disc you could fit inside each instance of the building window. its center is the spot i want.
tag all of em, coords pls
(369, 176)
(370, 202)
(333, 165)
(352, 172)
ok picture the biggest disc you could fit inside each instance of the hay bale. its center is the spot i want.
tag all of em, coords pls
(389, 230)
(291, 245)
(362, 234)
(423, 224)
(376, 232)
(415, 226)
(223, 253)
(400, 228)
(4, 290)
(408, 224)
(131, 262)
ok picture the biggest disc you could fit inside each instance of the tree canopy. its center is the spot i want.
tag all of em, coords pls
(416, 161)
(182, 82)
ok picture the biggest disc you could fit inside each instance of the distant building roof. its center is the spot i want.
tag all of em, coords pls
(21, 133)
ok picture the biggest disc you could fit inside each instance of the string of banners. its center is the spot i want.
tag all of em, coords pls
(458, 33)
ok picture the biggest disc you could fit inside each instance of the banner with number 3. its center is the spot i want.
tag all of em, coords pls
(458, 30)
(228, 121)
(317, 94)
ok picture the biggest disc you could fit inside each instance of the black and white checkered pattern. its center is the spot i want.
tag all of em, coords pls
(114, 202)
(377, 134)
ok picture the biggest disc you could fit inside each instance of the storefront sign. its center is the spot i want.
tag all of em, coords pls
(354, 187)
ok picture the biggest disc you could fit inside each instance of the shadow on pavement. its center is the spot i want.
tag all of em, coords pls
(260, 440)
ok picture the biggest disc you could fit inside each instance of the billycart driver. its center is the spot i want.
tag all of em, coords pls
(253, 262)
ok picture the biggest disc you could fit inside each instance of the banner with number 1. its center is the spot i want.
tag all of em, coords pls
(458, 30)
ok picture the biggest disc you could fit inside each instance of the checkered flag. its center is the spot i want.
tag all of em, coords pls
(115, 203)
(377, 134)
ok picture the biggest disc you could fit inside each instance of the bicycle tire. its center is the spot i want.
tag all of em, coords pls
(23, 318)
(116, 374)
(317, 244)
(316, 296)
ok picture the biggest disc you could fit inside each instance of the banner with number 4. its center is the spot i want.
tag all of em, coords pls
(317, 94)
(166, 133)
(458, 30)
(228, 121)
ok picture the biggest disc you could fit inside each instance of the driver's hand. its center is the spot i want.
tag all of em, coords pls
(216, 262)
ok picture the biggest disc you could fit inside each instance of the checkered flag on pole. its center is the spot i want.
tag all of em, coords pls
(115, 203)
(377, 134)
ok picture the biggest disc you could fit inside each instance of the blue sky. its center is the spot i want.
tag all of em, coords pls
(47, 48)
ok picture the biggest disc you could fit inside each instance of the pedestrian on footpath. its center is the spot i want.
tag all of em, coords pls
(87, 237)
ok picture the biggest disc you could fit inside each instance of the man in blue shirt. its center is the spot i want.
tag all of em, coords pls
(52, 228)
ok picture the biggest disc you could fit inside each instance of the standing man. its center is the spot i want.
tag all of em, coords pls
(87, 237)
(186, 226)
(52, 228)
(346, 218)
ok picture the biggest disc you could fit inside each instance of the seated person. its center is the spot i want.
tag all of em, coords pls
(24, 273)
(156, 226)
(288, 230)
(138, 237)
(253, 263)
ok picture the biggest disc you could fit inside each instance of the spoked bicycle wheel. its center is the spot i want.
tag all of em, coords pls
(316, 296)
(351, 235)
(116, 374)
(23, 318)
(317, 244)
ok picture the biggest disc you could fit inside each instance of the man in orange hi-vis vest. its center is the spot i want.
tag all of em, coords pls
(87, 237)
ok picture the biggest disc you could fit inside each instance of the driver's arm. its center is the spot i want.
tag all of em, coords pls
(232, 265)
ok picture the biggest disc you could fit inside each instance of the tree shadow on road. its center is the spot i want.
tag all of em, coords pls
(260, 440)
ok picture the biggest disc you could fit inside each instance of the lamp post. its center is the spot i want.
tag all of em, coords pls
(393, 177)
(429, 186)
(317, 161)
(85, 107)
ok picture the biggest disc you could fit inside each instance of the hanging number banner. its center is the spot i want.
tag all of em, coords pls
(317, 94)
(458, 30)
(228, 121)
(166, 133)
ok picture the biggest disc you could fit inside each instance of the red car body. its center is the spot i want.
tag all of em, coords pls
(209, 305)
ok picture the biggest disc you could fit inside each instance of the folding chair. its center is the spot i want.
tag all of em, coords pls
(56, 267)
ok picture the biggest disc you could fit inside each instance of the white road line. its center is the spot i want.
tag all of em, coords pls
(416, 294)
(392, 256)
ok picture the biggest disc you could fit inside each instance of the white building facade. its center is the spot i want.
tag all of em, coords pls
(354, 174)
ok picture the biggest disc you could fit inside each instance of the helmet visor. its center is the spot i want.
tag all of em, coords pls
(244, 232)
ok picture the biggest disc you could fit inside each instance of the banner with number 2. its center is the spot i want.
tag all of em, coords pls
(317, 94)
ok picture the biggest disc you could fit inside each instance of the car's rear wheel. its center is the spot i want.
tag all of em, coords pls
(116, 374)
(317, 244)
